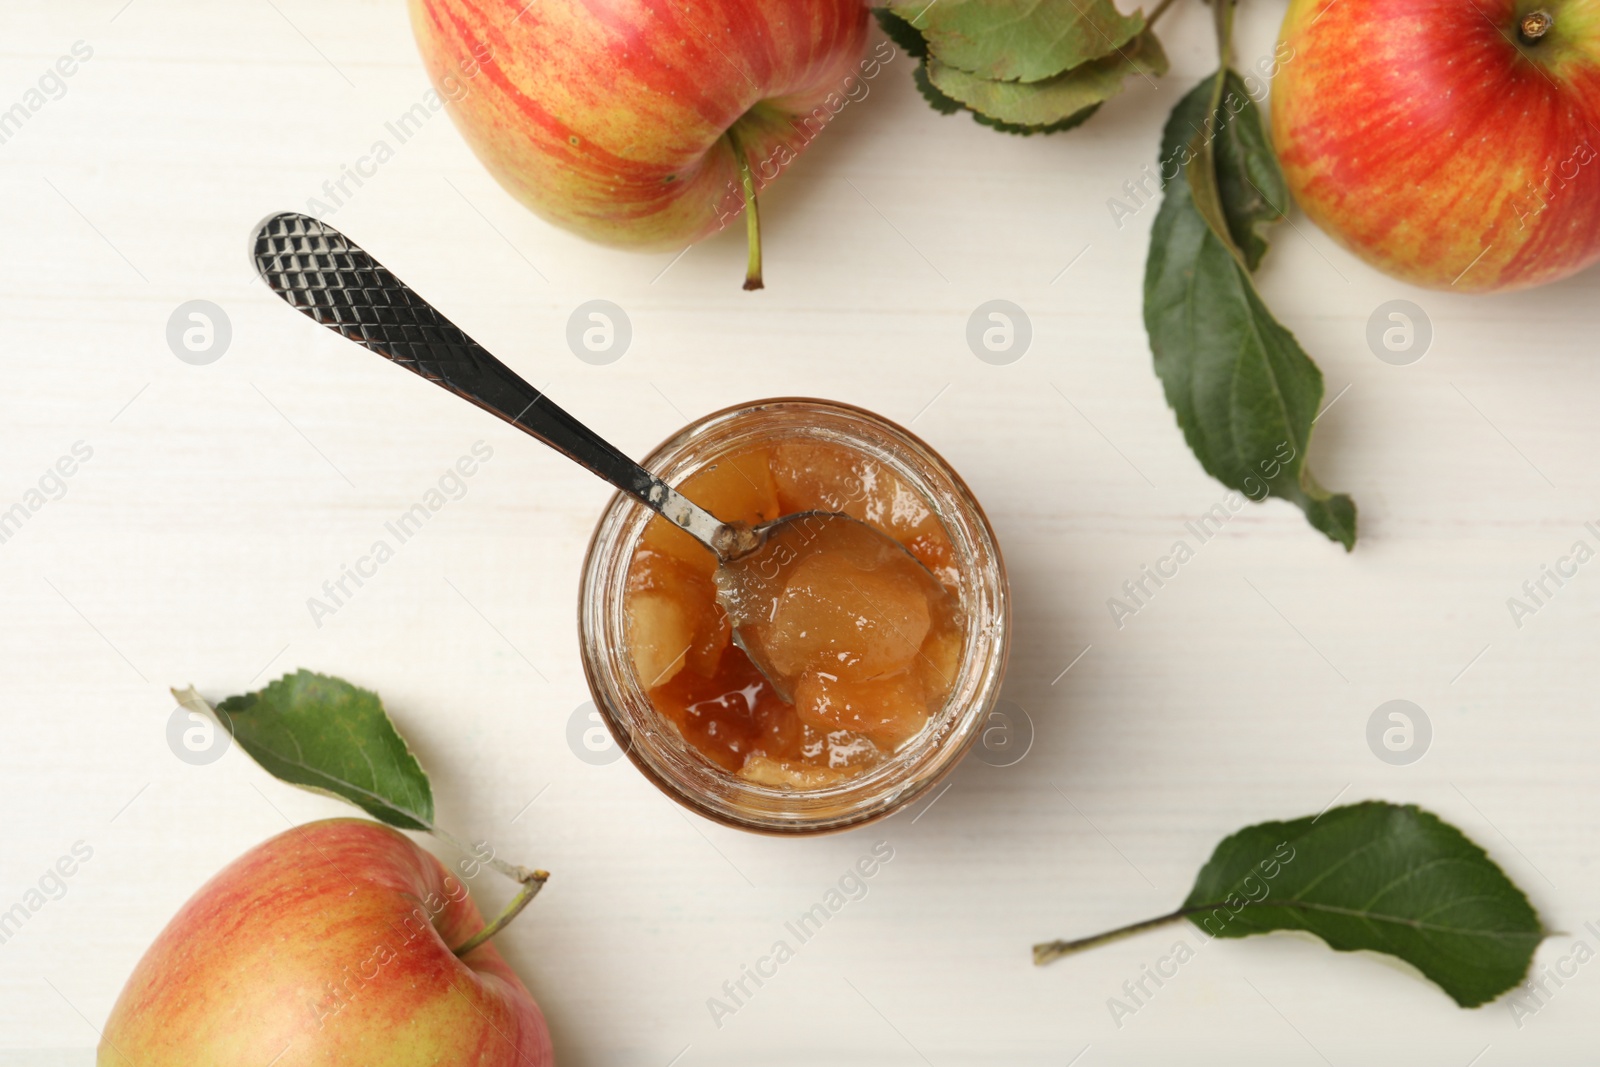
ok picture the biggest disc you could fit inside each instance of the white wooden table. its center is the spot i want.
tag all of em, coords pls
(218, 498)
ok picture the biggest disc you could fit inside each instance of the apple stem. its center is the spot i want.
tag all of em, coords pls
(532, 882)
(1535, 25)
(752, 213)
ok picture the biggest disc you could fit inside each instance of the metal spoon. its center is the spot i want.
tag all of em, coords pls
(322, 273)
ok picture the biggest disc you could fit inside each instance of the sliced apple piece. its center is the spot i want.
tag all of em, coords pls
(660, 631)
(938, 662)
(654, 573)
(887, 710)
(818, 475)
(765, 771)
(854, 618)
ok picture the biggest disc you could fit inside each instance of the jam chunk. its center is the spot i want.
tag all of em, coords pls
(857, 614)
(862, 635)
(669, 627)
(811, 474)
(888, 710)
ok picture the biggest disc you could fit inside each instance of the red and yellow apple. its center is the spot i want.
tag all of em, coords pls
(329, 944)
(644, 124)
(1450, 143)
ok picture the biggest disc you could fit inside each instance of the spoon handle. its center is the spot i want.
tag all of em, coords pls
(321, 272)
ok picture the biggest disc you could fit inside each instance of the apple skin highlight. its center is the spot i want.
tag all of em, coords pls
(609, 118)
(1437, 143)
(328, 944)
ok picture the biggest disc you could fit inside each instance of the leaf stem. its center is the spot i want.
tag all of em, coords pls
(1201, 169)
(510, 870)
(1222, 15)
(532, 882)
(1156, 12)
(1046, 951)
(752, 212)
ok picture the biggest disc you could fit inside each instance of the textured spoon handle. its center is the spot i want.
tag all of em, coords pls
(322, 273)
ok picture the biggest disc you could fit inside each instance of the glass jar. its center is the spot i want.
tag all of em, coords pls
(653, 742)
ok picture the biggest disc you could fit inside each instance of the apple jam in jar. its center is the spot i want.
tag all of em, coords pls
(890, 673)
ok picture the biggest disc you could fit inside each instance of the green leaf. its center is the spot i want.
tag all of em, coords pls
(1077, 118)
(1019, 40)
(1244, 391)
(948, 106)
(1249, 185)
(936, 99)
(327, 735)
(904, 35)
(1067, 98)
(1377, 876)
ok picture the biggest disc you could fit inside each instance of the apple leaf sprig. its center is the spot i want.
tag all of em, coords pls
(323, 734)
(1245, 394)
(1383, 877)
